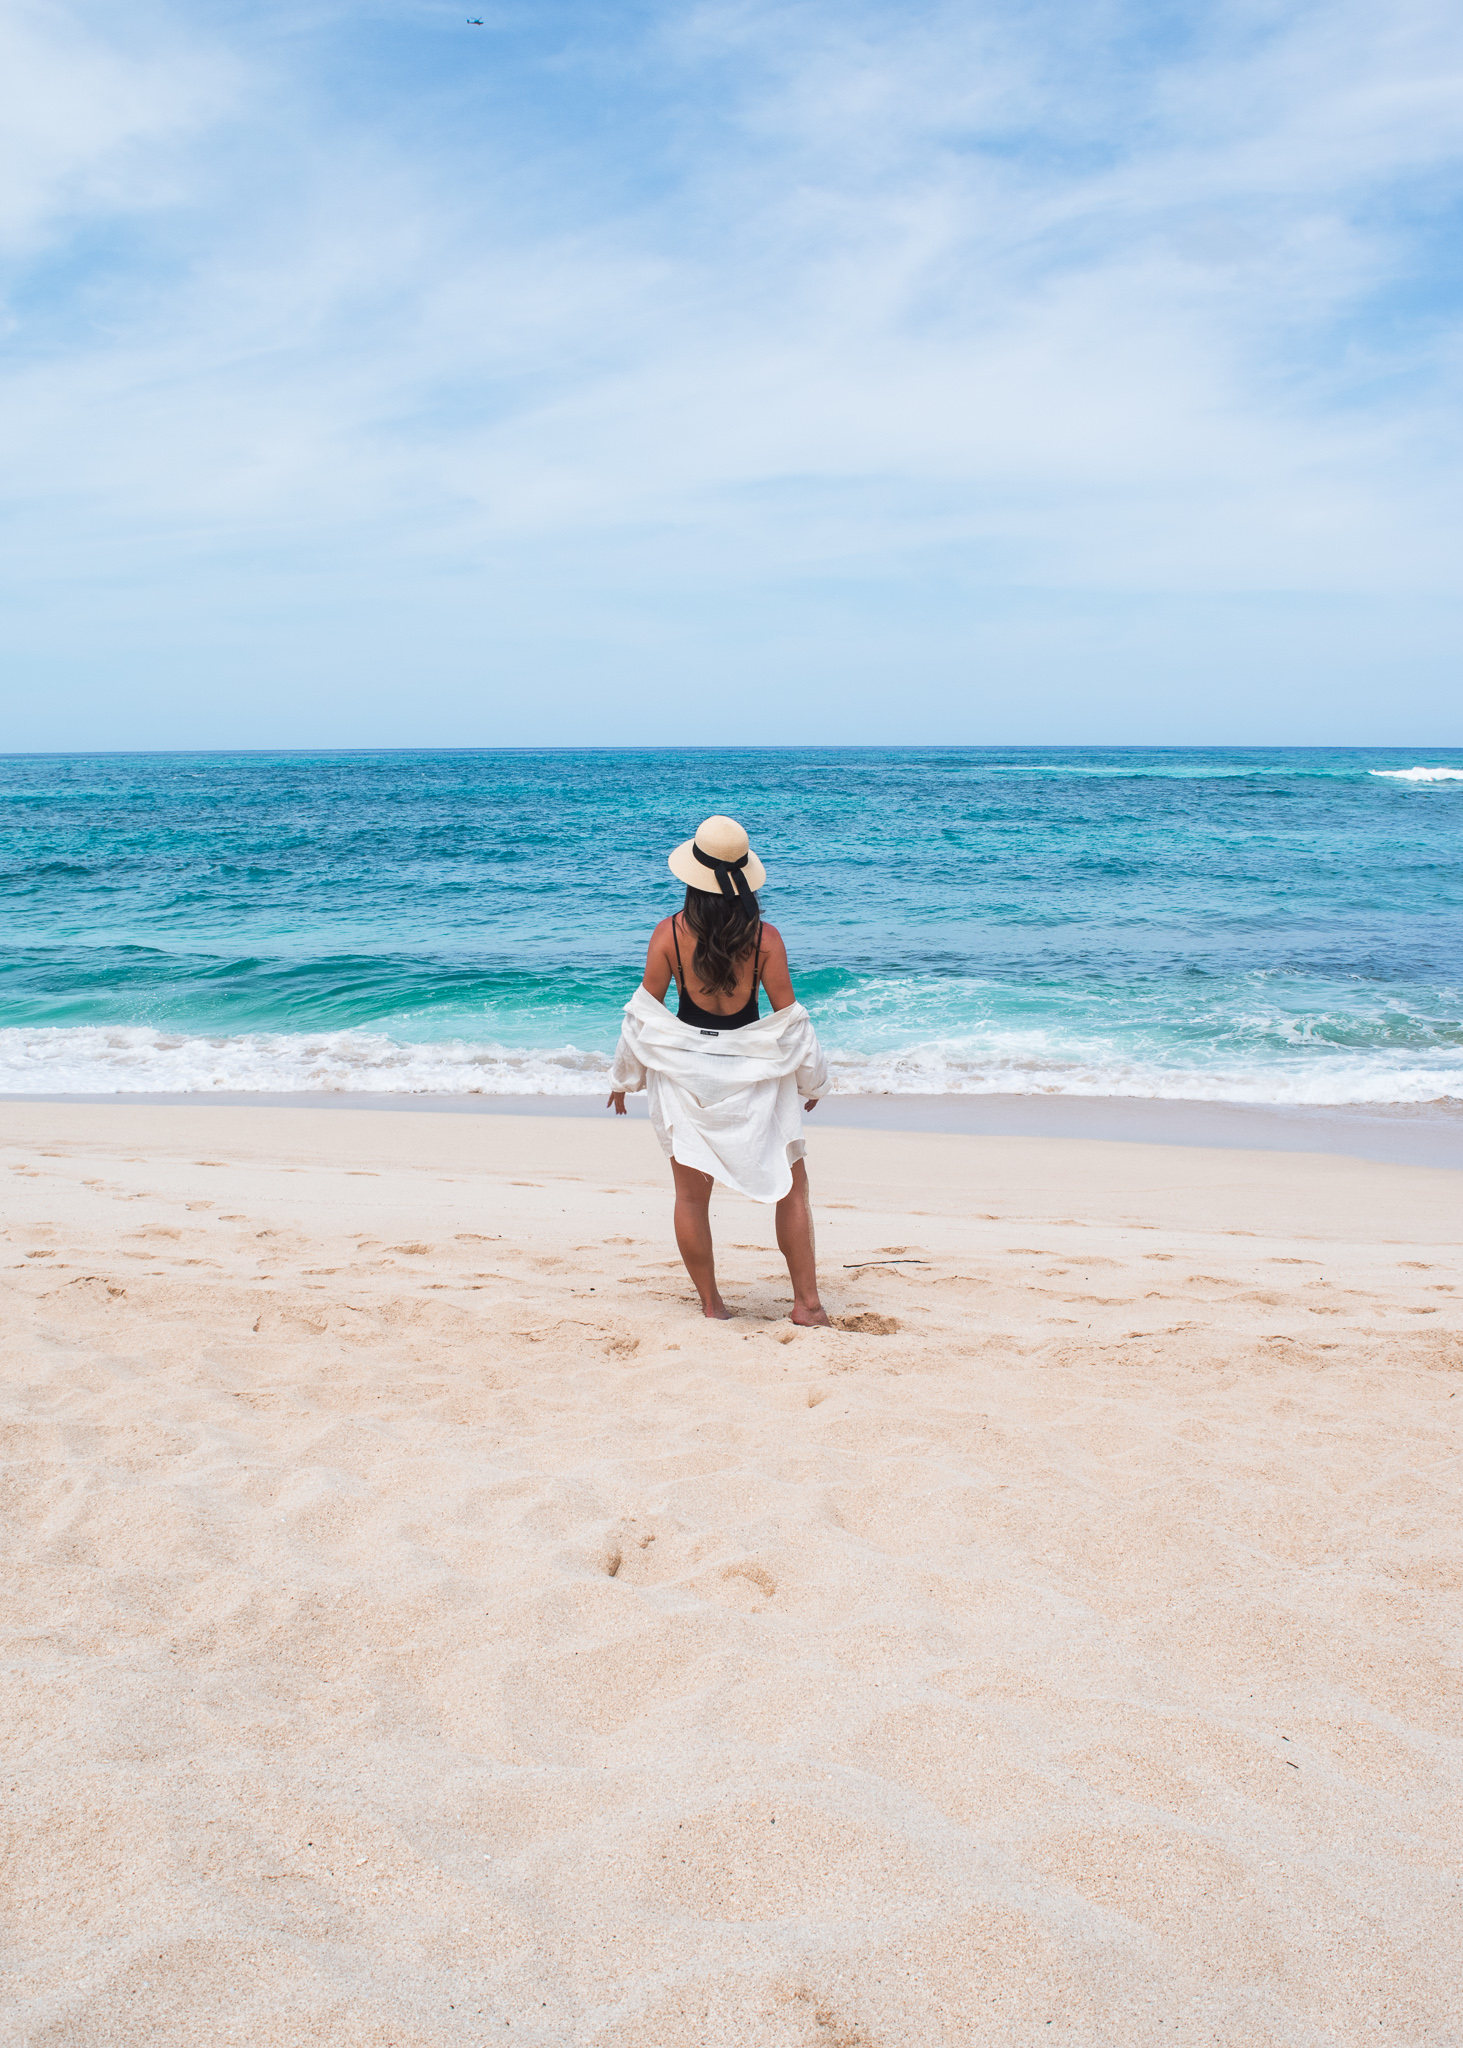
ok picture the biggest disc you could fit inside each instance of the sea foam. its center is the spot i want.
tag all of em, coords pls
(89, 1060)
(1418, 774)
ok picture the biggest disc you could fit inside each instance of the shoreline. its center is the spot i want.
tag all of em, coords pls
(1393, 1134)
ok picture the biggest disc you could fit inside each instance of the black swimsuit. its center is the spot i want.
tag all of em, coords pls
(691, 1012)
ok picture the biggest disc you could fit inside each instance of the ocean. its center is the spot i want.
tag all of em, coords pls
(1222, 925)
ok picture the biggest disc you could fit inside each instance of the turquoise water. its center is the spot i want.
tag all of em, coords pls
(1229, 925)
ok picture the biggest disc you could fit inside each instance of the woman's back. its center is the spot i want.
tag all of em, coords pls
(672, 957)
(718, 1008)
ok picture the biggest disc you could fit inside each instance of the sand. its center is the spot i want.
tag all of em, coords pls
(422, 1628)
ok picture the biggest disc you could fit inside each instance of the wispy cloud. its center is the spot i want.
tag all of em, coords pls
(91, 128)
(578, 342)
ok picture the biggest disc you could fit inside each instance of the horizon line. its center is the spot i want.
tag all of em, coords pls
(725, 747)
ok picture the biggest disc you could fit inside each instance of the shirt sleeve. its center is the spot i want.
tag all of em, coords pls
(627, 1075)
(812, 1075)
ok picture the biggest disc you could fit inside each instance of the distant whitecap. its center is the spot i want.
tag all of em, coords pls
(1418, 774)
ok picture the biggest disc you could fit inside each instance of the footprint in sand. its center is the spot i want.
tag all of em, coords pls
(745, 1585)
(868, 1324)
(289, 1325)
(94, 1288)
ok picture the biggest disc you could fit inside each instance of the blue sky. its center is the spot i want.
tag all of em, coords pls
(732, 372)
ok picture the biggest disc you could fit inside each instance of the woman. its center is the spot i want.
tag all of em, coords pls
(724, 1083)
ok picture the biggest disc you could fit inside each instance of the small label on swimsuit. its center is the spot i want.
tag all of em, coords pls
(711, 1034)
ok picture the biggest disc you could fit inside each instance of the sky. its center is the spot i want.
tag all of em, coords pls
(707, 374)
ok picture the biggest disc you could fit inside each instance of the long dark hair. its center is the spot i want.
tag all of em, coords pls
(725, 929)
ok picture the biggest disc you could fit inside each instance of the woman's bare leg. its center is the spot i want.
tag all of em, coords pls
(693, 1237)
(795, 1242)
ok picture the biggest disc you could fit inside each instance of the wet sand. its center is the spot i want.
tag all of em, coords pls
(1416, 1134)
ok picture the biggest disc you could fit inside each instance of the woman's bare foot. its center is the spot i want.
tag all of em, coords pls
(716, 1310)
(812, 1317)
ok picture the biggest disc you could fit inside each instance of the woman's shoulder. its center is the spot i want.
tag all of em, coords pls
(771, 936)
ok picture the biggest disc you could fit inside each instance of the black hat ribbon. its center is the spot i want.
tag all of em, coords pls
(729, 873)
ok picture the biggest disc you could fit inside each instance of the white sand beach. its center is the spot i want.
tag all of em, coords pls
(422, 1628)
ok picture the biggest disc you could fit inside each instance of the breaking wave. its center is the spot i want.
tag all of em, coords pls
(94, 1060)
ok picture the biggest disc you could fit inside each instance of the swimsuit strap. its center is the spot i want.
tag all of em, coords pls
(756, 961)
(681, 975)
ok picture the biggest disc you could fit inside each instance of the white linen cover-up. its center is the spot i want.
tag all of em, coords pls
(724, 1102)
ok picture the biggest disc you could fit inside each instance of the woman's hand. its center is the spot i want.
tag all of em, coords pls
(617, 1103)
(811, 1106)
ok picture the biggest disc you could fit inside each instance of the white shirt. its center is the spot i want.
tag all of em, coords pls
(728, 1103)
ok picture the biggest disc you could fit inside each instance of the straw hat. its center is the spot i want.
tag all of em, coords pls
(718, 858)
